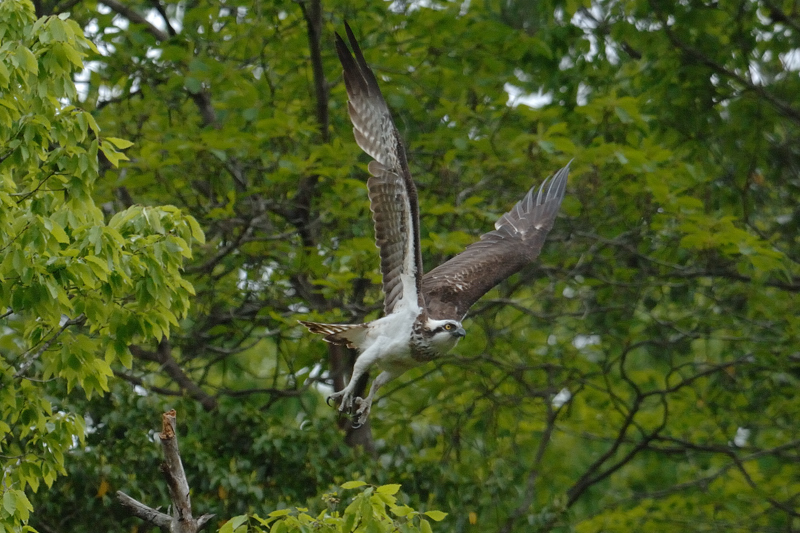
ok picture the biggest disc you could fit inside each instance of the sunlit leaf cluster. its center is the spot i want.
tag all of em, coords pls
(76, 286)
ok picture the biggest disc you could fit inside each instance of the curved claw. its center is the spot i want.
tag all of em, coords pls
(356, 425)
(328, 401)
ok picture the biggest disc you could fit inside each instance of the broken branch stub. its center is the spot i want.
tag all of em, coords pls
(181, 520)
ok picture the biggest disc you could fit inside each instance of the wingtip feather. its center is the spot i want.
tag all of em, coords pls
(549, 194)
(558, 183)
(359, 55)
(350, 36)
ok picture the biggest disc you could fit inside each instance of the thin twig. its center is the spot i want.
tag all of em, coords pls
(141, 383)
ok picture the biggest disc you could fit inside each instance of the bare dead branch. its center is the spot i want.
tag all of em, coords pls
(181, 520)
(172, 468)
(140, 510)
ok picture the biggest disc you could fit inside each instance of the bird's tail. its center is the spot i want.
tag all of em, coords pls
(350, 335)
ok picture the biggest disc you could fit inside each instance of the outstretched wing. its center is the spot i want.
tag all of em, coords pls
(392, 195)
(452, 288)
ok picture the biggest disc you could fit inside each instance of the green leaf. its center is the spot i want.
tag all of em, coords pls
(193, 85)
(402, 510)
(119, 143)
(425, 526)
(98, 266)
(387, 489)
(26, 58)
(233, 523)
(197, 232)
(58, 233)
(436, 515)
(111, 154)
(10, 502)
(353, 484)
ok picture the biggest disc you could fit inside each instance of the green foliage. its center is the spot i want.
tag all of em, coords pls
(75, 290)
(664, 302)
(374, 509)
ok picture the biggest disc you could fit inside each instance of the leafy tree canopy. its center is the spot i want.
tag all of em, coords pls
(641, 375)
(76, 287)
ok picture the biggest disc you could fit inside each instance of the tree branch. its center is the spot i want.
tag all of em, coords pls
(164, 16)
(181, 520)
(163, 356)
(202, 100)
(588, 478)
(66, 6)
(140, 510)
(140, 382)
(313, 16)
(696, 54)
(172, 468)
(683, 272)
(533, 474)
(778, 15)
(786, 508)
(306, 189)
(135, 17)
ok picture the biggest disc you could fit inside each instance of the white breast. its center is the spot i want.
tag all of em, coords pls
(390, 337)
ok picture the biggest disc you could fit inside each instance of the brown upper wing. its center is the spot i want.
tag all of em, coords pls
(452, 288)
(393, 197)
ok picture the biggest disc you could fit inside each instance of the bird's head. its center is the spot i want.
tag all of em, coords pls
(443, 334)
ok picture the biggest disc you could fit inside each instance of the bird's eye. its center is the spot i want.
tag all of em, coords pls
(448, 327)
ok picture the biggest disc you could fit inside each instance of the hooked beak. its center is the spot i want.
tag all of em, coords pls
(459, 332)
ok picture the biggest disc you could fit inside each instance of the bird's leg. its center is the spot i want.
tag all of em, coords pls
(345, 397)
(363, 405)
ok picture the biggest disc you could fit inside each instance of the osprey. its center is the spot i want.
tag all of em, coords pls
(422, 314)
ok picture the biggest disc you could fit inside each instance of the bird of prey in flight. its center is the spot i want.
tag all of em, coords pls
(422, 313)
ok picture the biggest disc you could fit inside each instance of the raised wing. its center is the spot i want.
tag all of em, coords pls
(451, 289)
(392, 195)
